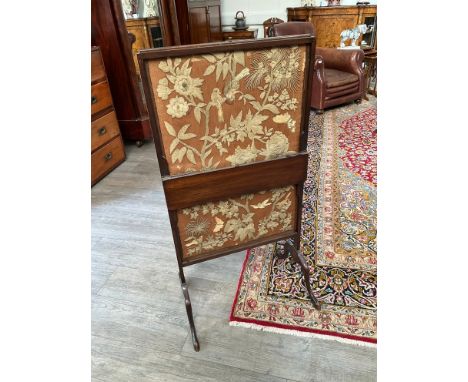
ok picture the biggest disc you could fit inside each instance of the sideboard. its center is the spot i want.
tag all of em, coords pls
(329, 22)
(204, 20)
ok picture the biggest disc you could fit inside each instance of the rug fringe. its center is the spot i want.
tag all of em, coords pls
(301, 334)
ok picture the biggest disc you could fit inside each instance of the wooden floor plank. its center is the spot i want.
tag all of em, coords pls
(121, 361)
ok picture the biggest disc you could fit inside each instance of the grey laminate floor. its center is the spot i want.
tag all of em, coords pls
(139, 326)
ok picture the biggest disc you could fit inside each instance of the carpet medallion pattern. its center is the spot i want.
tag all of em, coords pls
(338, 239)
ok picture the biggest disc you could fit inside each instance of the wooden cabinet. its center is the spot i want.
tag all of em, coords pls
(231, 34)
(329, 22)
(187, 22)
(154, 32)
(107, 149)
(204, 21)
(147, 32)
(109, 32)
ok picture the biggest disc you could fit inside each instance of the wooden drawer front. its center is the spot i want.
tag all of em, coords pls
(106, 158)
(103, 130)
(97, 68)
(239, 35)
(100, 97)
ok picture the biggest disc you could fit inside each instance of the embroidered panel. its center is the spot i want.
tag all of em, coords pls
(227, 109)
(229, 223)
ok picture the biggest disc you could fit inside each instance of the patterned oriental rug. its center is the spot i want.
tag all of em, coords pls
(338, 240)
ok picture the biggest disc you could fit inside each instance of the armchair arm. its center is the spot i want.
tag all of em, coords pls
(318, 63)
(341, 59)
(319, 72)
(318, 83)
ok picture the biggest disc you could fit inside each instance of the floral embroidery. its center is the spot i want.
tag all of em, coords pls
(276, 146)
(180, 77)
(242, 156)
(163, 89)
(278, 67)
(229, 109)
(283, 101)
(177, 107)
(197, 227)
(282, 118)
(233, 221)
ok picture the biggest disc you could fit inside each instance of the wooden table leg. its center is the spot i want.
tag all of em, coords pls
(188, 307)
(299, 258)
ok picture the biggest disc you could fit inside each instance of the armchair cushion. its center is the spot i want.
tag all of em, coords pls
(338, 89)
(337, 78)
(329, 95)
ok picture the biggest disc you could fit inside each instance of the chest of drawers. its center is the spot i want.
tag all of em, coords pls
(107, 149)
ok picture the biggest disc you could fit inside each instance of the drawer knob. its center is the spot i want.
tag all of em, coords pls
(108, 156)
(102, 131)
(93, 99)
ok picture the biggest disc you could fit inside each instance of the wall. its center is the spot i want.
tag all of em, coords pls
(257, 11)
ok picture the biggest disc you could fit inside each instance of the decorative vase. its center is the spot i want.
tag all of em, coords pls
(134, 6)
(150, 9)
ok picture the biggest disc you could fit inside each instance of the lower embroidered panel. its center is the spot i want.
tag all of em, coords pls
(228, 223)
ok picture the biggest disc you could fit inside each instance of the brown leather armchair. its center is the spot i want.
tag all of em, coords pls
(338, 74)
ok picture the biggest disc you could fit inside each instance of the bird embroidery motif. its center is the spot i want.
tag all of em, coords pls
(217, 101)
(233, 86)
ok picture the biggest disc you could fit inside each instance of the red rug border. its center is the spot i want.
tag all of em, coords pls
(282, 326)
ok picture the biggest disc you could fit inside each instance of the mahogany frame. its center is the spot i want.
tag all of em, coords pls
(186, 190)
